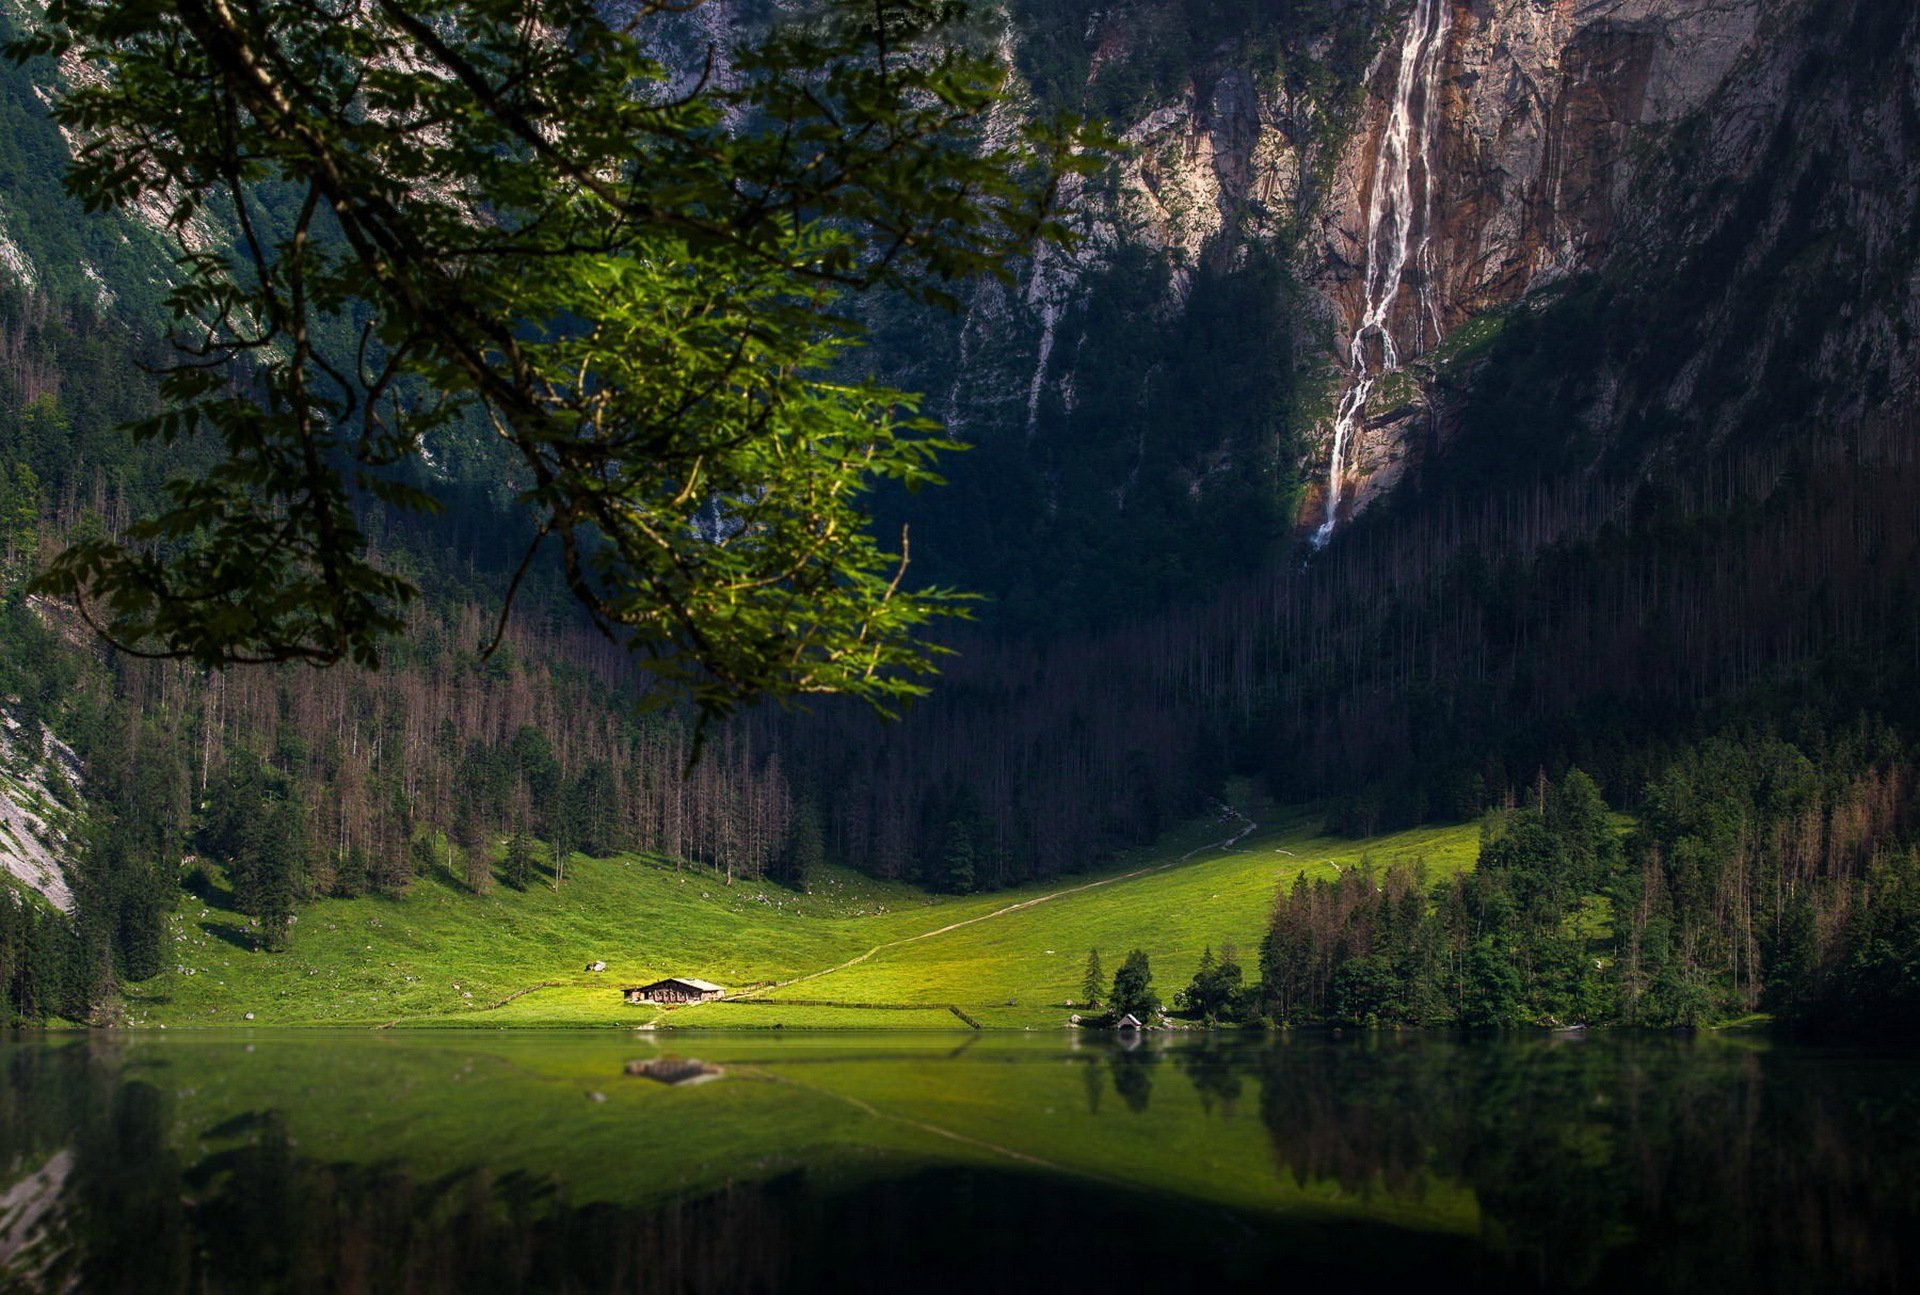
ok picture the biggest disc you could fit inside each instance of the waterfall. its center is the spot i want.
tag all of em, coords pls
(1399, 230)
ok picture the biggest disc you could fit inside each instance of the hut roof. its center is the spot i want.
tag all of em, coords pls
(704, 986)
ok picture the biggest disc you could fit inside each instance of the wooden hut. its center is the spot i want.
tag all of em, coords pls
(675, 989)
(1128, 1024)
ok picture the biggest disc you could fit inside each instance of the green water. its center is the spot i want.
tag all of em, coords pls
(559, 1162)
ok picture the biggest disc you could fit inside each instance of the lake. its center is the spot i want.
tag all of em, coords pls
(796, 1162)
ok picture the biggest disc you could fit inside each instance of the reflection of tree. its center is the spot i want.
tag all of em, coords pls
(1619, 1161)
(127, 1178)
(1094, 1082)
(255, 1214)
(1653, 1163)
(1132, 1076)
(1215, 1072)
(319, 1226)
(1361, 1114)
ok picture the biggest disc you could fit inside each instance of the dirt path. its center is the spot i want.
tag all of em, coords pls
(1247, 826)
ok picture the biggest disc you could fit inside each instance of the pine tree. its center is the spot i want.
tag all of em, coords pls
(140, 933)
(479, 868)
(350, 873)
(1230, 979)
(1094, 982)
(277, 872)
(806, 850)
(471, 833)
(958, 865)
(590, 809)
(420, 855)
(518, 868)
(1216, 989)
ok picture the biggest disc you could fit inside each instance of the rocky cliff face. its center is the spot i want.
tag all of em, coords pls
(1495, 152)
(1771, 248)
(34, 825)
(1541, 117)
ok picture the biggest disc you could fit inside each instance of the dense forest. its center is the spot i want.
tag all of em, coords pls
(1756, 879)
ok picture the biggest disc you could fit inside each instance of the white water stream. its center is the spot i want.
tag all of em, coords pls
(1399, 225)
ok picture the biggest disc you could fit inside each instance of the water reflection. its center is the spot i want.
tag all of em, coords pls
(1132, 1072)
(474, 1164)
(675, 1071)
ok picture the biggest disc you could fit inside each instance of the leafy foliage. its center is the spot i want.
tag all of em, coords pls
(1133, 988)
(508, 209)
(1215, 992)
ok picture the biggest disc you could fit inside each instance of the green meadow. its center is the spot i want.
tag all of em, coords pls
(852, 953)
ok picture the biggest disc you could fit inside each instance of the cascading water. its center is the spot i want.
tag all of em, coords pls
(1396, 232)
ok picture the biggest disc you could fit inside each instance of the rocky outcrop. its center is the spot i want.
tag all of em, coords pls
(1204, 176)
(1544, 124)
(1773, 251)
(1543, 117)
(34, 825)
(1559, 138)
(1544, 106)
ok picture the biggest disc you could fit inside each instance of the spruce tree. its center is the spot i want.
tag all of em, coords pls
(1230, 982)
(350, 873)
(278, 872)
(470, 831)
(1095, 979)
(518, 868)
(479, 868)
(1197, 997)
(421, 856)
(806, 850)
(140, 933)
(958, 866)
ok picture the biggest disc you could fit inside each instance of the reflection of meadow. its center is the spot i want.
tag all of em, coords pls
(1573, 1163)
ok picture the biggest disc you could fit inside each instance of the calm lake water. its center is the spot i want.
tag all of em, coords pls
(557, 1162)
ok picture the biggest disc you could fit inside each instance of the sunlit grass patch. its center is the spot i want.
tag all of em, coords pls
(880, 954)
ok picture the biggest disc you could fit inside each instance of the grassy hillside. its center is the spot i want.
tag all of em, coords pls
(854, 953)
